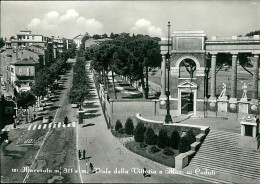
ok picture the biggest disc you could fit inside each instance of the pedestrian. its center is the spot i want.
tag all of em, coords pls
(145, 173)
(14, 125)
(84, 154)
(91, 168)
(80, 155)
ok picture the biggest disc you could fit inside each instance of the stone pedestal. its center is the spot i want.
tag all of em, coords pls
(222, 107)
(232, 108)
(250, 137)
(243, 106)
(212, 106)
(254, 107)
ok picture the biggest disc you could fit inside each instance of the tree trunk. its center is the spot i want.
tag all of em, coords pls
(103, 74)
(146, 88)
(107, 81)
(143, 87)
(113, 78)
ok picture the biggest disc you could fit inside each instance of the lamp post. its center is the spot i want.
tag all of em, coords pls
(168, 118)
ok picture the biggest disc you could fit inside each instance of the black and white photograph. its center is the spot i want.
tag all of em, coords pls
(130, 91)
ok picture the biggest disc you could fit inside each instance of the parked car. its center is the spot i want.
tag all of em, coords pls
(46, 119)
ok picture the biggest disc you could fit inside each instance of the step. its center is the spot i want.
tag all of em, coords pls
(221, 136)
(227, 154)
(239, 171)
(231, 149)
(219, 143)
(208, 179)
(252, 166)
(215, 136)
(227, 170)
(232, 162)
(223, 132)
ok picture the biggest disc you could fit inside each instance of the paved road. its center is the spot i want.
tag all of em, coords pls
(108, 155)
(40, 147)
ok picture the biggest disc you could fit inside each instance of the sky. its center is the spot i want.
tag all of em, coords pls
(71, 18)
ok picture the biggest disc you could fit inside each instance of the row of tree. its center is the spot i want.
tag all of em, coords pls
(130, 56)
(80, 85)
(162, 140)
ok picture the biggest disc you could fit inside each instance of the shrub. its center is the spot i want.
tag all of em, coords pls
(190, 137)
(121, 130)
(129, 126)
(168, 151)
(149, 136)
(162, 139)
(184, 145)
(139, 132)
(118, 125)
(174, 140)
(154, 149)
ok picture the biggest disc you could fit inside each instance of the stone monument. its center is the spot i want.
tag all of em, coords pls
(250, 137)
(223, 102)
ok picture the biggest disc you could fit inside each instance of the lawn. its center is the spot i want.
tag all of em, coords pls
(222, 76)
(120, 135)
(157, 157)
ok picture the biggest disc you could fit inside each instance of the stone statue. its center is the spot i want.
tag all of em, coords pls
(223, 92)
(244, 88)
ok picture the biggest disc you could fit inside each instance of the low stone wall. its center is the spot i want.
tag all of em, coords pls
(157, 125)
(183, 159)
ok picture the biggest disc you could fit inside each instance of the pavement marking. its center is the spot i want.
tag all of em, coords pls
(73, 124)
(34, 127)
(39, 127)
(68, 125)
(59, 124)
(44, 126)
(50, 125)
(29, 128)
(63, 125)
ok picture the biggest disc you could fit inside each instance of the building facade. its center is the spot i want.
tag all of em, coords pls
(23, 74)
(188, 93)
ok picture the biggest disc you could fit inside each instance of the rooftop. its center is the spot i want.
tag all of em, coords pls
(29, 61)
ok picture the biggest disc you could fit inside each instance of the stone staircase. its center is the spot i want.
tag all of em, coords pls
(220, 152)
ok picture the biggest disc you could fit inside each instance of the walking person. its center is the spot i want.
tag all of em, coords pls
(84, 154)
(91, 168)
(145, 173)
(80, 154)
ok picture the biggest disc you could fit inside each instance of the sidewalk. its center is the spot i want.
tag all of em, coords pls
(115, 163)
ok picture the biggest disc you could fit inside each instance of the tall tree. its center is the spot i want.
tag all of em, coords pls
(146, 52)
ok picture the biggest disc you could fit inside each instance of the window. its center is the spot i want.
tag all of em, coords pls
(33, 37)
(12, 70)
(20, 71)
(28, 71)
(23, 37)
(27, 37)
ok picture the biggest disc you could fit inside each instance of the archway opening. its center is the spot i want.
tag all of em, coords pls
(187, 69)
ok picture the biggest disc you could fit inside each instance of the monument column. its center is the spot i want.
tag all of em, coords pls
(163, 78)
(254, 103)
(255, 77)
(213, 77)
(212, 102)
(234, 77)
(233, 106)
